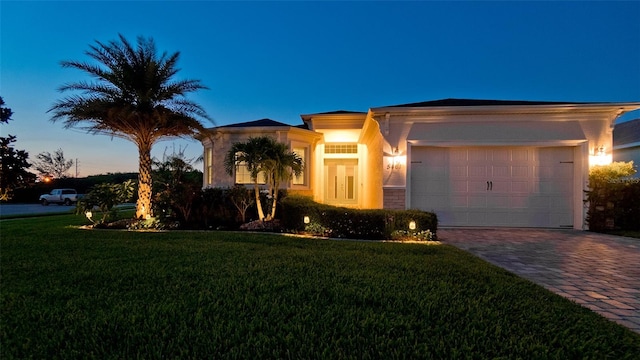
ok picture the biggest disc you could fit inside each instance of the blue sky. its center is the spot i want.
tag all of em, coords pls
(281, 59)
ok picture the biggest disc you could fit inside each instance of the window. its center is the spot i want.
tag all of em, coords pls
(300, 180)
(209, 164)
(243, 176)
(341, 149)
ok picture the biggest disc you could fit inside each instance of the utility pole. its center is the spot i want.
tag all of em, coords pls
(76, 167)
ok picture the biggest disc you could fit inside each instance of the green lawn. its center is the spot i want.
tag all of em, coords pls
(72, 293)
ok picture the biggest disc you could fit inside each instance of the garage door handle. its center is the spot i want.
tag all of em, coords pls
(491, 185)
(487, 186)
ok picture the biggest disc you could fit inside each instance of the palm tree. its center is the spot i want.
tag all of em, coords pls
(133, 97)
(267, 157)
(252, 155)
(279, 166)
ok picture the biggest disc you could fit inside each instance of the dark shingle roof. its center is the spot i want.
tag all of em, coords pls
(626, 133)
(338, 112)
(257, 123)
(477, 102)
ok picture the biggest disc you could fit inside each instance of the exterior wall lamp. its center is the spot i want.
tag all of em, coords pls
(306, 220)
(600, 157)
(395, 162)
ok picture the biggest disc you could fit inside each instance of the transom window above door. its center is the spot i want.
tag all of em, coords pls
(341, 148)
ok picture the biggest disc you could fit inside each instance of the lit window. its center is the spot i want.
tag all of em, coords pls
(301, 152)
(243, 176)
(209, 164)
(341, 149)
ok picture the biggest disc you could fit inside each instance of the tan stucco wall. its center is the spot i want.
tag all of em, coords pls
(223, 139)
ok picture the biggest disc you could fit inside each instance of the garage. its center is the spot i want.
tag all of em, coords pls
(510, 186)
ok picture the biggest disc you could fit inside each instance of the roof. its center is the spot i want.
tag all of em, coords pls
(626, 133)
(257, 123)
(478, 102)
(338, 112)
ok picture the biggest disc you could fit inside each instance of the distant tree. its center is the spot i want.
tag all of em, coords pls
(52, 165)
(14, 163)
(134, 97)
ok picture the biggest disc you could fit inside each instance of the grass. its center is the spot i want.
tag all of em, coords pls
(69, 293)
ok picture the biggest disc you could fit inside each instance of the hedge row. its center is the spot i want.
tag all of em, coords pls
(614, 205)
(350, 223)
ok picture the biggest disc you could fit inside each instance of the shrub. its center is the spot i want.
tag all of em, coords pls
(105, 197)
(326, 220)
(613, 198)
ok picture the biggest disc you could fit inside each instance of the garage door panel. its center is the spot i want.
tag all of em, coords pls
(477, 201)
(520, 171)
(477, 171)
(503, 171)
(476, 186)
(495, 186)
(460, 201)
(520, 187)
(498, 201)
(459, 186)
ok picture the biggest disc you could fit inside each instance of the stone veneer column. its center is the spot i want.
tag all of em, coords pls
(393, 199)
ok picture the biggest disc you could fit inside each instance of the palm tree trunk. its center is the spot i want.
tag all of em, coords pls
(258, 203)
(275, 200)
(143, 206)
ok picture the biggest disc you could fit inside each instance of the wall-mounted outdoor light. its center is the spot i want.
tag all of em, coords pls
(395, 160)
(306, 220)
(599, 156)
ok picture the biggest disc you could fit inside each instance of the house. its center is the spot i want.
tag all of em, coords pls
(626, 142)
(472, 162)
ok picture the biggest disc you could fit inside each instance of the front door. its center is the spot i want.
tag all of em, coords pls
(341, 181)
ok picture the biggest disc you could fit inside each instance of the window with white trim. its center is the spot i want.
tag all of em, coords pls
(209, 163)
(301, 180)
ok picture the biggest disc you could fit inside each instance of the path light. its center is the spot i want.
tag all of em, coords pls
(412, 225)
(306, 220)
(89, 215)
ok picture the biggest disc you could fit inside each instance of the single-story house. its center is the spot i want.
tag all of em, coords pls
(626, 143)
(472, 162)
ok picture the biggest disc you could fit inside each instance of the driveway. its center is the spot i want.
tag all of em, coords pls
(600, 272)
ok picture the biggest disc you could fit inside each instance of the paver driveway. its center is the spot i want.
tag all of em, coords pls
(600, 272)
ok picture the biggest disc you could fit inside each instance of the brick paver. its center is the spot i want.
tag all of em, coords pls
(600, 272)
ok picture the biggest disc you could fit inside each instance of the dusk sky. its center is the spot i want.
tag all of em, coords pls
(278, 60)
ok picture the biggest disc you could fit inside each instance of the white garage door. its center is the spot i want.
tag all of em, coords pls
(494, 186)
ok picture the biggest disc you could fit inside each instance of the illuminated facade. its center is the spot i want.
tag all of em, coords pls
(472, 162)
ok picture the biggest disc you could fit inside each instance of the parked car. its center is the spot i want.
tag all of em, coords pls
(60, 196)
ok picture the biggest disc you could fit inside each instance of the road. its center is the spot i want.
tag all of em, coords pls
(27, 209)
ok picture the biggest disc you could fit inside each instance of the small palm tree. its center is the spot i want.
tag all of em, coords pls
(269, 158)
(133, 97)
(281, 165)
(252, 155)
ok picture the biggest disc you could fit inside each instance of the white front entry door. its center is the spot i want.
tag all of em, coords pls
(341, 181)
(494, 186)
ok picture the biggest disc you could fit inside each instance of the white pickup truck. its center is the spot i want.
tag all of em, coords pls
(60, 196)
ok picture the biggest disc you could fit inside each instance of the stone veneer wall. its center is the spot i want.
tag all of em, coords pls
(394, 199)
